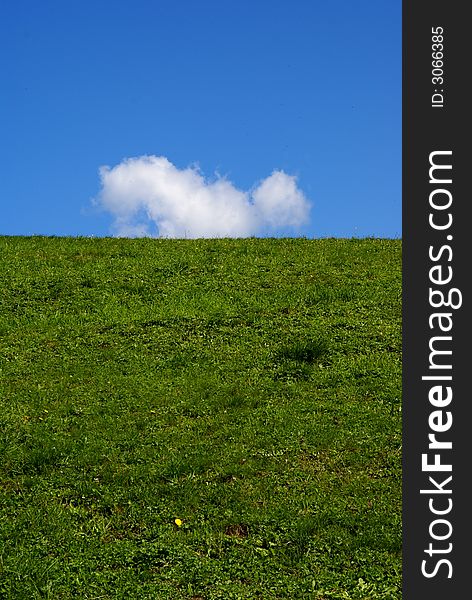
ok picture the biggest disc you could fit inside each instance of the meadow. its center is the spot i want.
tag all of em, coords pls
(200, 419)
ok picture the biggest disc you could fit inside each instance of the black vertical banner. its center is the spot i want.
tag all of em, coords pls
(437, 238)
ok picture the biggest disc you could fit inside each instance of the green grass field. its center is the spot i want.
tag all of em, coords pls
(250, 388)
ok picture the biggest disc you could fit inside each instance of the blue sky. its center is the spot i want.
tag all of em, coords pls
(308, 88)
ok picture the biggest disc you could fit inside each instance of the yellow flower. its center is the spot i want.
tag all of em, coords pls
(178, 522)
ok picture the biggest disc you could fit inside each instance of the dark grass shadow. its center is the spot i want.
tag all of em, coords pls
(304, 351)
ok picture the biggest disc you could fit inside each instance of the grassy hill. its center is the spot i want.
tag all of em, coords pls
(249, 388)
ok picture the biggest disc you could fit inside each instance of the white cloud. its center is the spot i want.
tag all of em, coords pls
(148, 195)
(279, 202)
